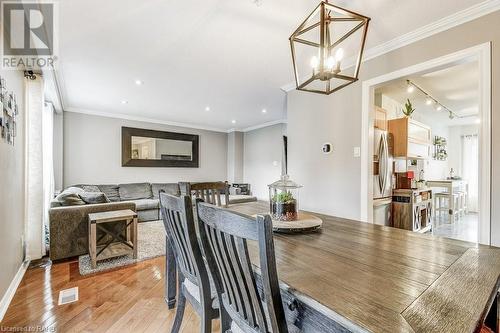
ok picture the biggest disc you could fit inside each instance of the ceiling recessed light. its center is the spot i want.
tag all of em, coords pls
(124, 102)
(233, 121)
(139, 82)
(264, 111)
(207, 108)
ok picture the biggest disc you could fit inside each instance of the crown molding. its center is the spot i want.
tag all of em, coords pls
(446, 23)
(171, 123)
(144, 119)
(269, 123)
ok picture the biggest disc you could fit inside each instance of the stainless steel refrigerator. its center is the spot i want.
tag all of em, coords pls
(382, 178)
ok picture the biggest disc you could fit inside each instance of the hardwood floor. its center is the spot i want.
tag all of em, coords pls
(129, 299)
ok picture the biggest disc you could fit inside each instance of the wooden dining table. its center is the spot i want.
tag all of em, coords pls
(358, 277)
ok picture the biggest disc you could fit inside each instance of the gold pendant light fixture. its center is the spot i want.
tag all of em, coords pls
(320, 44)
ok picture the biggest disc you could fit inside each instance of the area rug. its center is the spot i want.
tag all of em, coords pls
(151, 240)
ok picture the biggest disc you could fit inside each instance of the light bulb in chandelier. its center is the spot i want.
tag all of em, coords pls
(439, 108)
(429, 101)
(410, 88)
(339, 55)
(330, 62)
(314, 62)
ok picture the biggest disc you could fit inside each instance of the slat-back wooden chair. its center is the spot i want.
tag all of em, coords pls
(193, 280)
(224, 235)
(209, 192)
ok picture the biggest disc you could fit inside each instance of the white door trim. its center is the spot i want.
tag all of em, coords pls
(483, 54)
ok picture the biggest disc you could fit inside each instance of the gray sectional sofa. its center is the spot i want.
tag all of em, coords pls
(68, 214)
(69, 225)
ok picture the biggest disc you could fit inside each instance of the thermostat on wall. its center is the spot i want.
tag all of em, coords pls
(327, 148)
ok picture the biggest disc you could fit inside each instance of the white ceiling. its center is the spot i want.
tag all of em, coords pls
(231, 55)
(456, 87)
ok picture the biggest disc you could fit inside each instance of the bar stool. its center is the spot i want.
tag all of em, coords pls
(442, 204)
(461, 203)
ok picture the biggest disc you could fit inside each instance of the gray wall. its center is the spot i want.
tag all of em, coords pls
(332, 182)
(12, 164)
(92, 153)
(263, 150)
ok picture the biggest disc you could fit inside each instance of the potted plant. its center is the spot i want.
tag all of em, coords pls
(408, 109)
(284, 206)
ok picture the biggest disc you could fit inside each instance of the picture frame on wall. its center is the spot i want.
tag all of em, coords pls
(9, 111)
(1, 113)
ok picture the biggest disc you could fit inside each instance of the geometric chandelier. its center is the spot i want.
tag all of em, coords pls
(321, 42)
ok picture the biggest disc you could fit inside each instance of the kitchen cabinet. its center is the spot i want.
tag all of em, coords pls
(380, 118)
(412, 209)
(411, 139)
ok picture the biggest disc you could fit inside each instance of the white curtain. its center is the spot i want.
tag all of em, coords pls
(470, 169)
(47, 161)
(34, 162)
(40, 168)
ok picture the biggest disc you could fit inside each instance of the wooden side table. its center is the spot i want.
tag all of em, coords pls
(117, 245)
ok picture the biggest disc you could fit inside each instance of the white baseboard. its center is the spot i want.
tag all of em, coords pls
(11, 291)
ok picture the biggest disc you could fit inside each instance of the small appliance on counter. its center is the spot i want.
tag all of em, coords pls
(404, 180)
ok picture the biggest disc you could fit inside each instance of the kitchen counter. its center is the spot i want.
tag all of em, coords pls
(360, 277)
(411, 190)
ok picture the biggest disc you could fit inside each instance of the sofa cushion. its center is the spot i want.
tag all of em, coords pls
(145, 204)
(94, 197)
(70, 197)
(111, 192)
(135, 191)
(91, 188)
(55, 203)
(169, 188)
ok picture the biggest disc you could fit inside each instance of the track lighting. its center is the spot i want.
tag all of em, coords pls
(429, 100)
(410, 88)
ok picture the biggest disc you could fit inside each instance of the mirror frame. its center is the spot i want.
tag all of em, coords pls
(129, 132)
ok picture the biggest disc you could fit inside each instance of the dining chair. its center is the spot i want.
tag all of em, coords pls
(209, 192)
(193, 280)
(223, 236)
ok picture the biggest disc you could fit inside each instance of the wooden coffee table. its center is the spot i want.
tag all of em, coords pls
(117, 245)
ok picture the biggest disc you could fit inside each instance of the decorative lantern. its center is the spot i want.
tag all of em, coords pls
(284, 199)
(321, 42)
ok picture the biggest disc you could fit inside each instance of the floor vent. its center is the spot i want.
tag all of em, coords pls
(68, 296)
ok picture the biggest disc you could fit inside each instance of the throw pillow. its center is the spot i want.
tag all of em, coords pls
(111, 192)
(94, 197)
(70, 197)
(90, 188)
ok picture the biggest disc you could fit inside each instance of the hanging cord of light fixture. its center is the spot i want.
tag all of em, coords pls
(431, 100)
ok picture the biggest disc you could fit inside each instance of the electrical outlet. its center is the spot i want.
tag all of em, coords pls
(357, 152)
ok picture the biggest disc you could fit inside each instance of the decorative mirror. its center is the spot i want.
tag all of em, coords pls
(149, 148)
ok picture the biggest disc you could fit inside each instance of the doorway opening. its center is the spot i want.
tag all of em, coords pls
(437, 161)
